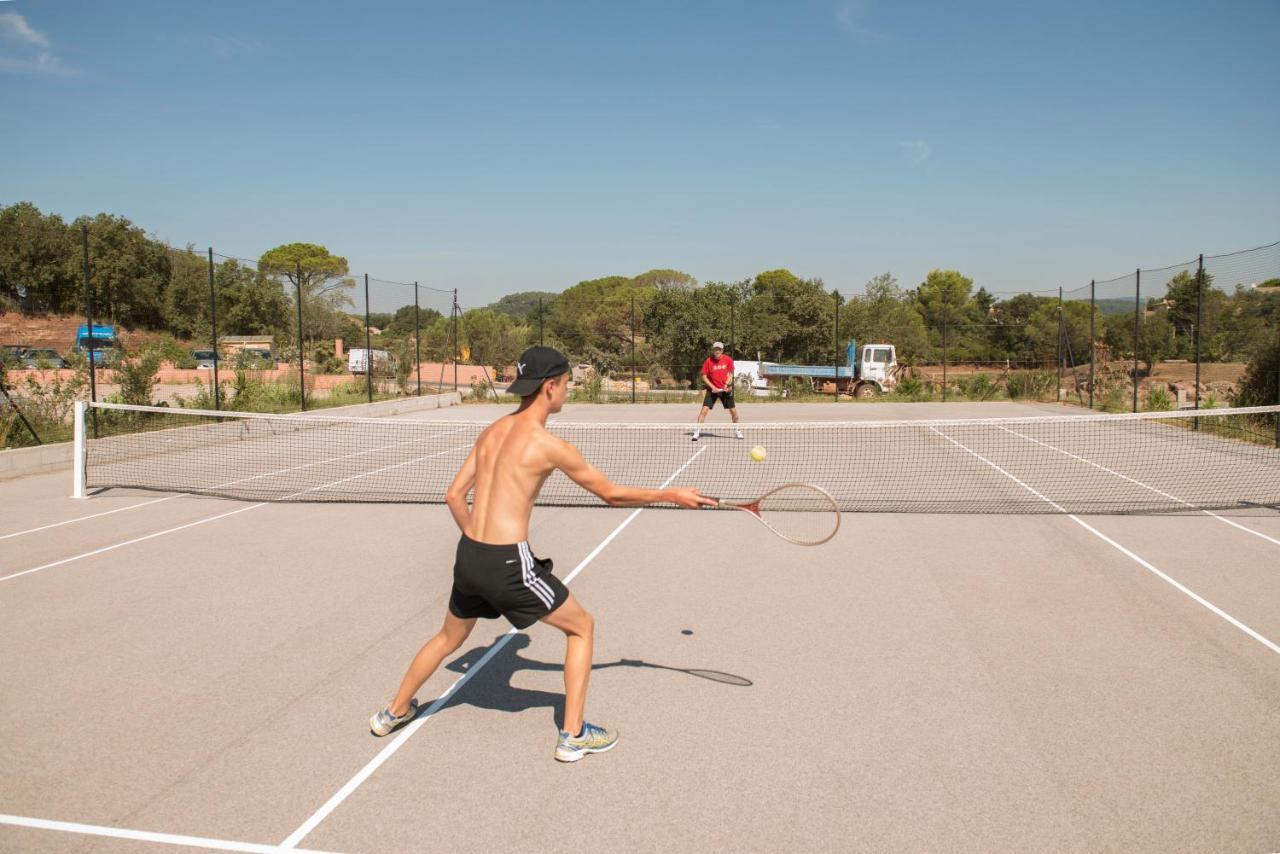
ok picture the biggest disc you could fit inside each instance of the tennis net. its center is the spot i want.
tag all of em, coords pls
(1157, 462)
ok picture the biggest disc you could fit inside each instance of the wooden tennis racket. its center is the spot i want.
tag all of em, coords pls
(800, 513)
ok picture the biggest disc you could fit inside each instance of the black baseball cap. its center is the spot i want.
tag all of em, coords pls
(535, 365)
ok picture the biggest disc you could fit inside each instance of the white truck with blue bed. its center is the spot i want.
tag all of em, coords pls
(869, 370)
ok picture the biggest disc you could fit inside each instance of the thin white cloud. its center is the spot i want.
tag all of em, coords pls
(42, 60)
(235, 45)
(917, 150)
(852, 15)
(15, 28)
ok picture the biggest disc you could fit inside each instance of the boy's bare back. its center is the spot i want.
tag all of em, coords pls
(511, 460)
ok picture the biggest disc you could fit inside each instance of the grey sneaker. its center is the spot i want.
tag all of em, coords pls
(593, 739)
(384, 722)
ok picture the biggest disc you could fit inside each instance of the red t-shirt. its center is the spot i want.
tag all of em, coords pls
(719, 371)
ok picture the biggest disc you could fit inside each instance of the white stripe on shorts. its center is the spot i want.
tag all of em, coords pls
(531, 581)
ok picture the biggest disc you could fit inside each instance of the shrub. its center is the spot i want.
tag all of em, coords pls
(137, 378)
(1031, 385)
(1158, 400)
(978, 387)
(1258, 385)
(1115, 399)
(912, 388)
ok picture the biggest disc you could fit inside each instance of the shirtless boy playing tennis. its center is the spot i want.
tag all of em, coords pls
(496, 573)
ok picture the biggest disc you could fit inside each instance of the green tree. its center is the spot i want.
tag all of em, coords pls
(320, 277)
(943, 299)
(783, 316)
(186, 296)
(250, 303)
(129, 272)
(666, 280)
(39, 262)
(885, 314)
(493, 339)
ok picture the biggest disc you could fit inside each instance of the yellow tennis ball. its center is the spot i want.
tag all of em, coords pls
(758, 454)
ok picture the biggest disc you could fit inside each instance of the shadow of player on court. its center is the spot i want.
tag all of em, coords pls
(492, 688)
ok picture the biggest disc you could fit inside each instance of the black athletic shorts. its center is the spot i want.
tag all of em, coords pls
(503, 581)
(725, 398)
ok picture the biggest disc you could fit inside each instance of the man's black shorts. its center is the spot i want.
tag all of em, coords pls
(503, 581)
(725, 398)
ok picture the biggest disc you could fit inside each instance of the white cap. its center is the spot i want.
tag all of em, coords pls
(719, 344)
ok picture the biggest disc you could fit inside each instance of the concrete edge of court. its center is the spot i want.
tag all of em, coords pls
(43, 459)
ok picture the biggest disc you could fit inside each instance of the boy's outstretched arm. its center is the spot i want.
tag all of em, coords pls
(566, 457)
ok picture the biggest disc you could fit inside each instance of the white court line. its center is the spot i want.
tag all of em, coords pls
(221, 485)
(364, 773)
(218, 516)
(1271, 645)
(140, 835)
(1157, 491)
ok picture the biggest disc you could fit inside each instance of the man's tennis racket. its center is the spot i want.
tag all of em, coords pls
(800, 513)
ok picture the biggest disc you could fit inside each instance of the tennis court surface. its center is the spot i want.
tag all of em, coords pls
(1027, 634)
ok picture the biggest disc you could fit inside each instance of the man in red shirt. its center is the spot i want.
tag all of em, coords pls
(717, 376)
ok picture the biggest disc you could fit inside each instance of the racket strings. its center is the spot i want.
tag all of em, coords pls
(800, 513)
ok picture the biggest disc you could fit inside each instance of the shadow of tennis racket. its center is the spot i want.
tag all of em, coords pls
(711, 675)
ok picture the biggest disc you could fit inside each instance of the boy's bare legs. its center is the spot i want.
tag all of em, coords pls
(445, 642)
(702, 416)
(579, 629)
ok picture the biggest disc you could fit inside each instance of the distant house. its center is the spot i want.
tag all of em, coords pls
(233, 344)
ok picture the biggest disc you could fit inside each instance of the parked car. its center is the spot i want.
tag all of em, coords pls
(11, 354)
(205, 359)
(42, 359)
(255, 358)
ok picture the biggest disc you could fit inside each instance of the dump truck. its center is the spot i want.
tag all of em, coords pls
(868, 371)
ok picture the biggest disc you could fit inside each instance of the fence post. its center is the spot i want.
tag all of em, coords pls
(733, 348)
(541, 342)
(88, 309)
(1093, 350)
(417, 338)
(945, 307)
(1058, 393)
(1199, 324)
(1137, 331)
(835, 359)
(368, 345)
(302, 371)
(633, 348)
(213, 334)
(455, 339)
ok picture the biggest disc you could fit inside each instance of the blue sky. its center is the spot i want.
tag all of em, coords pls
(498, 147)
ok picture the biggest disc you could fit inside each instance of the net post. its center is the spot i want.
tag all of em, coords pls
(213, 333)
(368, 346)
(1058, 394)
(78, 452)
(417, 338)
(633, 347)
(1093, 350)
(455, 339)
(302, 378)
(1137, 331)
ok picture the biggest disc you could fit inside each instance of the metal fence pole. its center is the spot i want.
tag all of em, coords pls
(1137, 331)
(213, 333)
(733, 344)
(88, 311)
(541, 342)
(368, 344)
(1060, 334)
(835, 359)
(455, 339)
(417, 338)
(1093, 350)
(633, 348)
(302, 371)
(945, 306)
(1199, 325)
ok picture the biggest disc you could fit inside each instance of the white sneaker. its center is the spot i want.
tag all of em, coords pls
(384, 722)
(737, 432)
(695, 435)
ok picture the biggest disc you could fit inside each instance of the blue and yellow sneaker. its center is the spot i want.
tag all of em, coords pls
(384, 722)
(592, 739)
